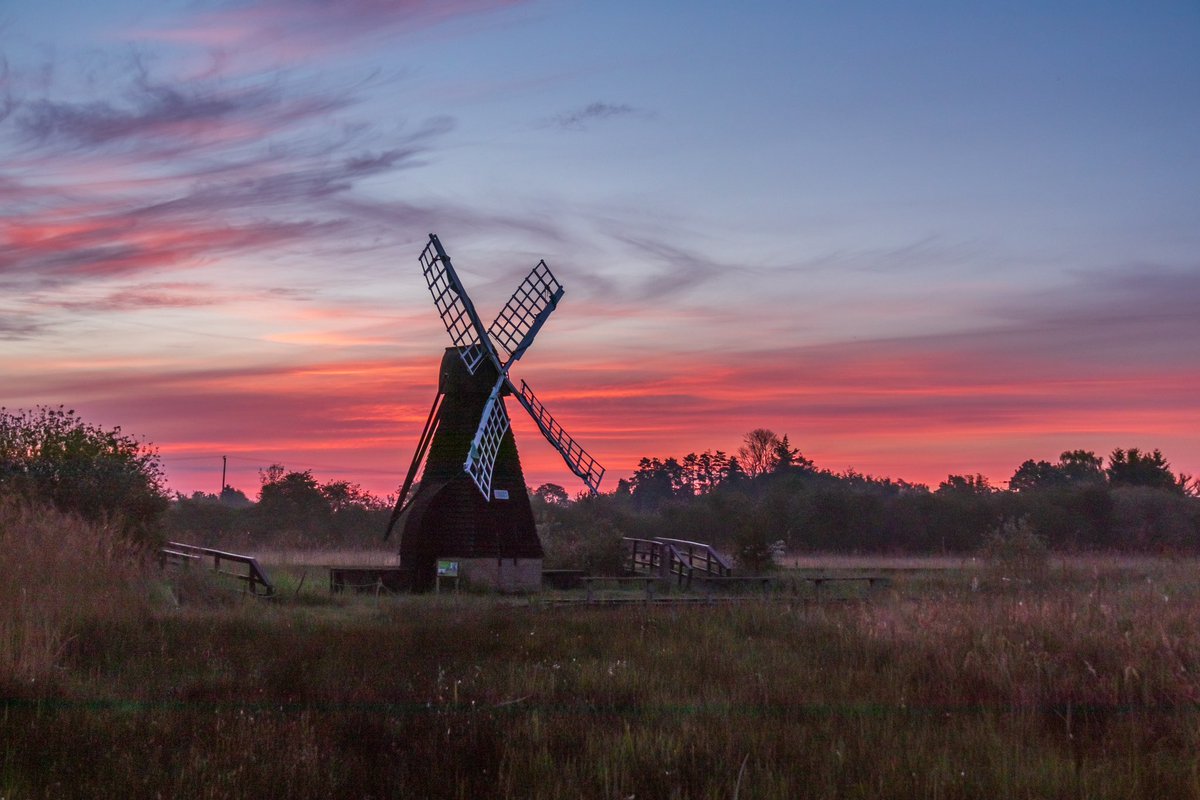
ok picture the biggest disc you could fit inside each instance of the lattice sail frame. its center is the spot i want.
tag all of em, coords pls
(518, 322)
(453, 305)
(481, 460)
(578, 459)
(514, 329)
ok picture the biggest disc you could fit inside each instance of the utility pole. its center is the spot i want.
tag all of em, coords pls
(224, 461)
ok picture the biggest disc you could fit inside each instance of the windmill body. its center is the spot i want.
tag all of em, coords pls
(471, 505)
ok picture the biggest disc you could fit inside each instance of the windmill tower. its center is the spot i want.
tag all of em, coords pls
(471, 505)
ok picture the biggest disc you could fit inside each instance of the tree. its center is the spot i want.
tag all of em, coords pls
(292, 501)
(271, 474)
(655, 482)
(344, 496)
(759, 452)
(552, 494)
(1075, 468)
(1082, 468)
(703, 473)
(788, 458)
(1033, 475)
(353, 511)
(1191, 486)
(965, 510)
(1132, 467)
(204, 519)
(51, 455)
(735, 476)
(965, 485)
(753, 549)
(234, 498)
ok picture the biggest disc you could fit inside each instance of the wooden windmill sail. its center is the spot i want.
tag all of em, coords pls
(471, 505)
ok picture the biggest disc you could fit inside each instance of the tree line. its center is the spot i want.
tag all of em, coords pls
(768, 497)
(293, 509)
(763, 498)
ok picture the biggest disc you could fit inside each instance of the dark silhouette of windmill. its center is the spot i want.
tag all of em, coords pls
(471, 505)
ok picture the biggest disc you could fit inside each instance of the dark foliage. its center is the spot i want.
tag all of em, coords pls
(1136, 504)
(1072, 504)
(293, 509)
(50, 455)
(1132, 467)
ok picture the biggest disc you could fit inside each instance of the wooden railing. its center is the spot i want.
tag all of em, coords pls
(700, 557)
(642, 555)
(680, 558)
(244, 568)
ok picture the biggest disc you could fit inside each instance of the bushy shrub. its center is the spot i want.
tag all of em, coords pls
(50, 455)
(601, 552)
(584, 534)
(754, 549)
(1014, 551)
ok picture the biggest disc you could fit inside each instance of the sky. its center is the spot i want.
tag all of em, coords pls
(919, 238)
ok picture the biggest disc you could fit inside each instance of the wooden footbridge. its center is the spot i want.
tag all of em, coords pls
(679, 559)
(235, 565)
(700, 573)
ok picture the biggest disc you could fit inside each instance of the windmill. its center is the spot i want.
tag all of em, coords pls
(471, 505)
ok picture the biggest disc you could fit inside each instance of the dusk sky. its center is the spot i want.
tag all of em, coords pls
(920, 238)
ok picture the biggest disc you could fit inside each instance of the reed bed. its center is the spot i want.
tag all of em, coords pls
(1086, 684)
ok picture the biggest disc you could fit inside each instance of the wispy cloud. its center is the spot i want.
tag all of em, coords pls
(169, 120)
(155, 295)
(166, 178)
(287, 31)
(658, 271)
(152, 195)
(581, 118)
(1153, 303)
(14, 327)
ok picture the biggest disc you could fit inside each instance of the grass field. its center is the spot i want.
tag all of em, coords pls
(954, 683)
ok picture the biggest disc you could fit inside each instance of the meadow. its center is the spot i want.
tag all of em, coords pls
(960, 680)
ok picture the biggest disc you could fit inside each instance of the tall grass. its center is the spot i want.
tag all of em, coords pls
(57, 574)
(1085, 686)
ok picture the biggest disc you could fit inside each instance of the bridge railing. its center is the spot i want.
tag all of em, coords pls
(680, 558)
(643, 555)
(244, 568)
(700, 556)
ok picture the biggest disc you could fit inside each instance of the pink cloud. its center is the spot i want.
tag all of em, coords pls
(298, 31)
(908, 415)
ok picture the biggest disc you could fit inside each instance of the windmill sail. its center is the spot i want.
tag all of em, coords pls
(453, 305)
(582, 464)
(518, 322)
(481, 459)
(510, 334)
